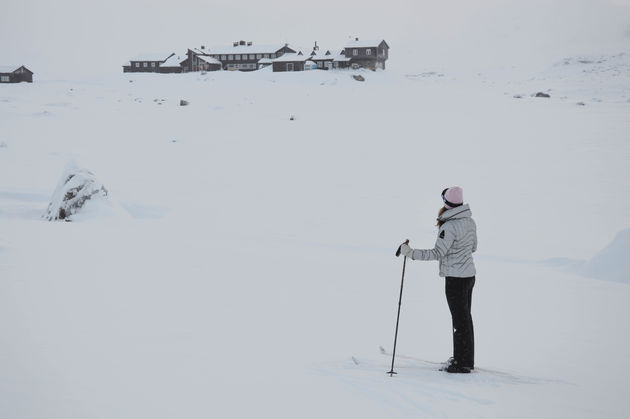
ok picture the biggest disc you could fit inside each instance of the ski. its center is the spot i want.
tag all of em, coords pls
(442, 365)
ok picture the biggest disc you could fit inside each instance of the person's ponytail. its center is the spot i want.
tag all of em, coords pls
(440, 212)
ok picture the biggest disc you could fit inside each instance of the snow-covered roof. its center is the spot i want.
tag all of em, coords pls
(9, 68)
(245, 49)
(291, 57)
(265, 61)
(364, 44)
(340, 58)
(209, 60)
(321, 55)
(151, 57)
(173, 61)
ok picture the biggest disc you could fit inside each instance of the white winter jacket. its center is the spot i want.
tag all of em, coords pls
(456, 242)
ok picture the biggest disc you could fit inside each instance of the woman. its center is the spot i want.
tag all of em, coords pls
(456, 242)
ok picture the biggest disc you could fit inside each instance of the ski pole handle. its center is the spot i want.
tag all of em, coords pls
(398, 251)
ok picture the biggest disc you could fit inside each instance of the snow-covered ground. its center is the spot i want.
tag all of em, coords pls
(251, 273)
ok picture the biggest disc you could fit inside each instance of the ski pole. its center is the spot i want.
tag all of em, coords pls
(402, 281)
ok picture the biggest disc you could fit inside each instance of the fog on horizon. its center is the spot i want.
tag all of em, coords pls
(77, 38)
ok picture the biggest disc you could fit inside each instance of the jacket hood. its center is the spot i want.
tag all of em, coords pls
(463, 211)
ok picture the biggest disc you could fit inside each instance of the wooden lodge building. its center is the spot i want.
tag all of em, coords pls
(15, 74)
(245, 56)
(367, 54)
(153, 63)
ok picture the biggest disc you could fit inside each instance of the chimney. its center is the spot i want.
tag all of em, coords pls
(203, 47)
(356, 39)
(249, 44)
(235, 44)
(315, 48)
(242, 43)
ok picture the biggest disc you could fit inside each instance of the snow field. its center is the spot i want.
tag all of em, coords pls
(258, 258)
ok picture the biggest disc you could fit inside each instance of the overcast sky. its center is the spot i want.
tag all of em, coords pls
(95, 37)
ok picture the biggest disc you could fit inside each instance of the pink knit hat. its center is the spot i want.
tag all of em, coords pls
(453, 197)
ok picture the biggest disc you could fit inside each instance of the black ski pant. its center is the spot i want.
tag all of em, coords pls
(459, 297)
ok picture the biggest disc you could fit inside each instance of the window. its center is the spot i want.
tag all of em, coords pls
(273, 55)
(137, 64)
(258, 56)
(4, 78)
(230, 57)
(368, 51)
(289, 66)
(223, 58)
(237, 57)
(266, 55)
(252, 57)
(145, 64)
(152, 64)
(355, 52)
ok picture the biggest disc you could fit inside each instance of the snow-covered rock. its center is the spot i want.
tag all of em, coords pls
(78, 191)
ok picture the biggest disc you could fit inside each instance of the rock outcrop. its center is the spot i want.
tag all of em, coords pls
(75, 190)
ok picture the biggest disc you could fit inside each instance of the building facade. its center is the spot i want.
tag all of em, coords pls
(245, 56)
(323, 58)
(290, 62)
(367, 54)
(146, 63)
(15, 74)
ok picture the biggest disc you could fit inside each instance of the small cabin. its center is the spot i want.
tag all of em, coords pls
(15, 74)
(290, 62)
